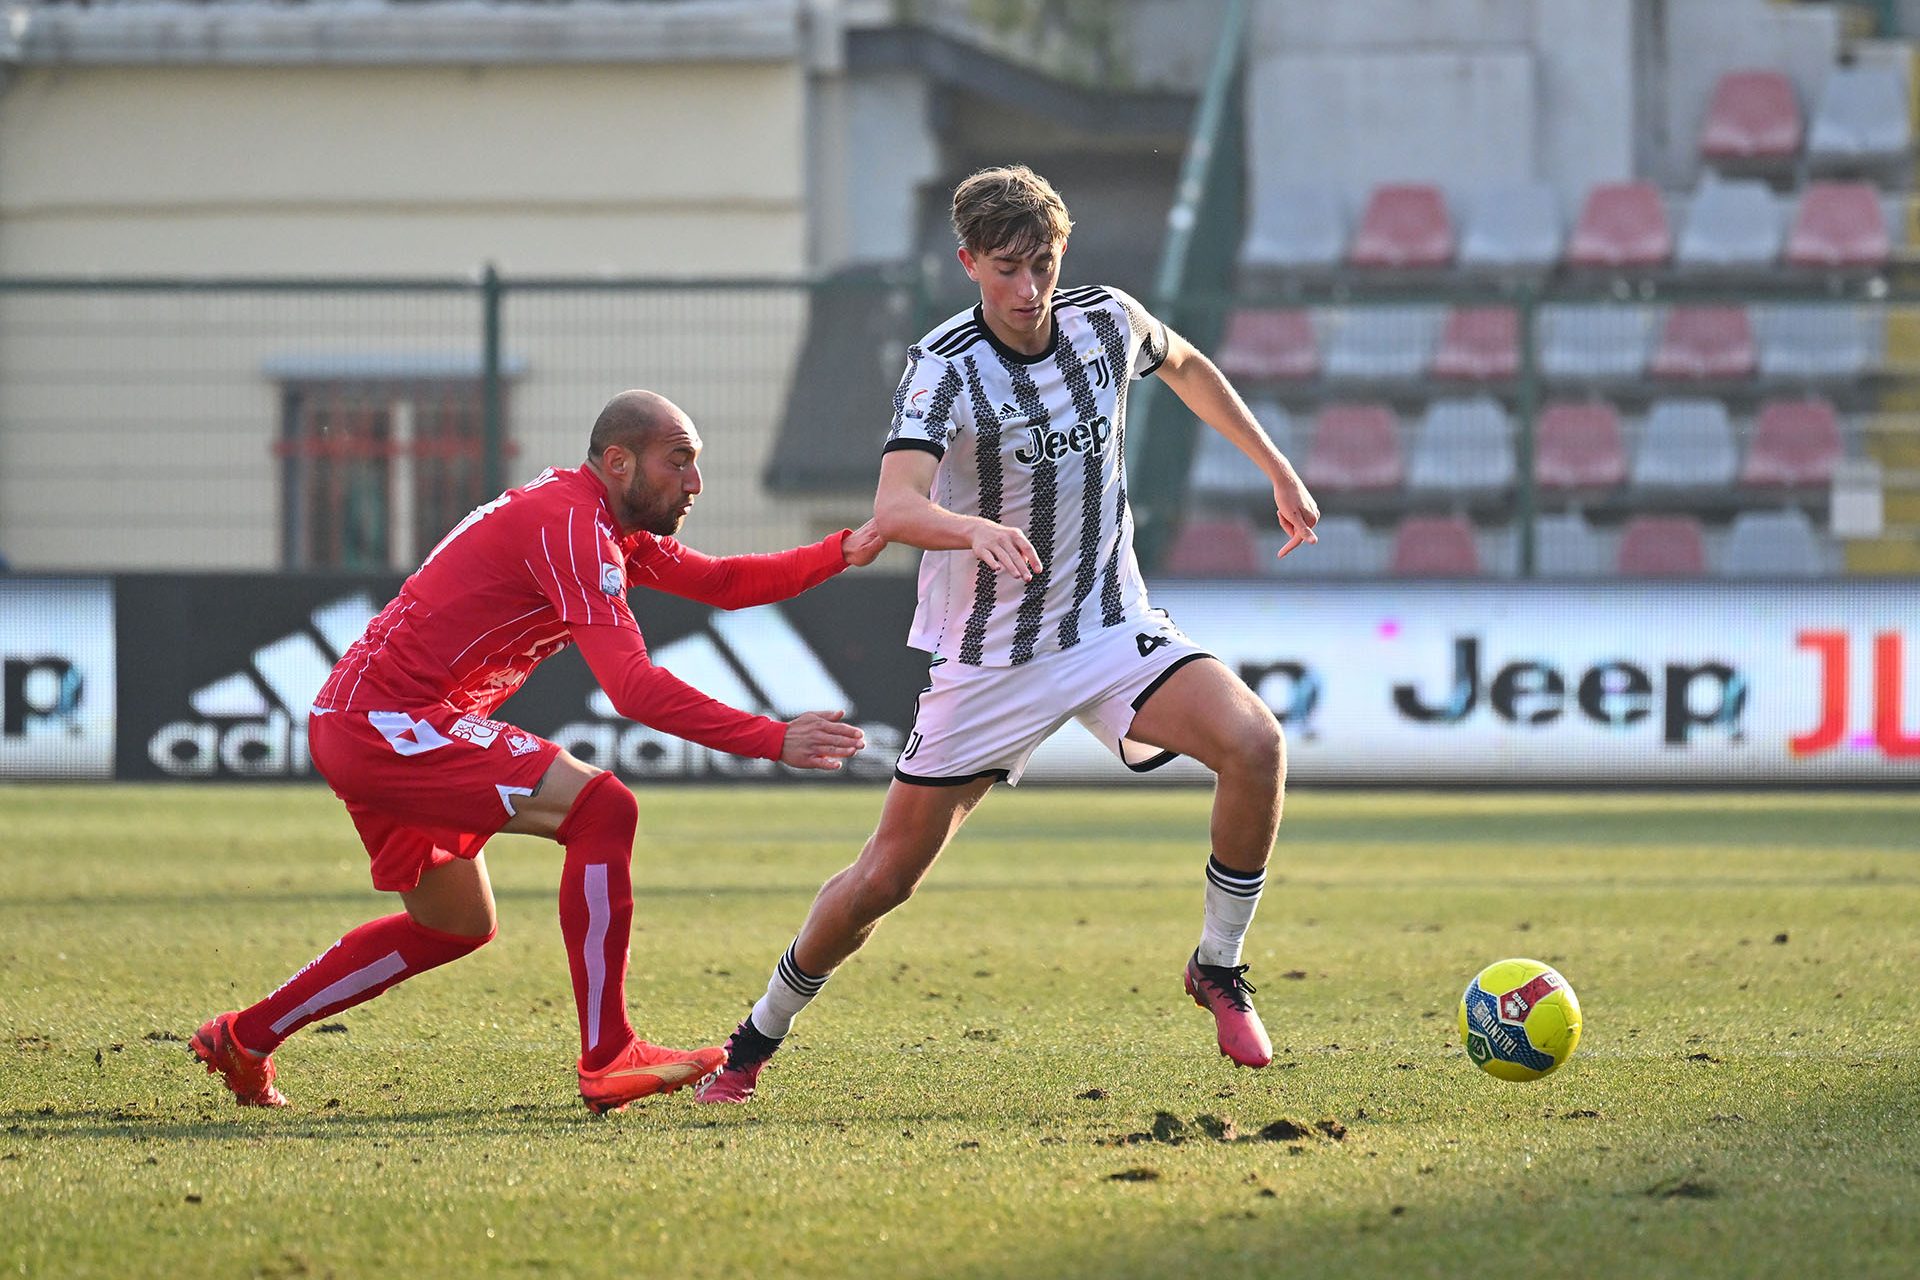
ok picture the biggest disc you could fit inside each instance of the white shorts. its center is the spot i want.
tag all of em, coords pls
(986, 722)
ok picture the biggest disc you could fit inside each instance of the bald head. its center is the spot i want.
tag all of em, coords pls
(630, 420)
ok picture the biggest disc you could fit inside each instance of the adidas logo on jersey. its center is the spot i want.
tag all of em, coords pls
(753, 659)
(253, 723)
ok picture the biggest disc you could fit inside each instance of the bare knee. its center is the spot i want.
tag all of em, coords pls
(1258, 750)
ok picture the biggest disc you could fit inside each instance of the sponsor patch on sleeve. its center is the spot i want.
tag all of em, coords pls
(611, 580)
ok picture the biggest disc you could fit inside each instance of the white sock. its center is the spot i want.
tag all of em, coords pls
(789, 990)
(1230, 902)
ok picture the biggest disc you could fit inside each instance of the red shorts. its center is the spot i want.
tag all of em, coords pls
(425, 787)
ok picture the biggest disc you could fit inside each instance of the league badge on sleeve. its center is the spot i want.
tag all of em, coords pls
(610, 580)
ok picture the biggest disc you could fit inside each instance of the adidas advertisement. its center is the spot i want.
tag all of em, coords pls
(219, 673)
(57, 695)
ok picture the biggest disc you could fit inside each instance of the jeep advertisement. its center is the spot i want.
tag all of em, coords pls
(210, 676)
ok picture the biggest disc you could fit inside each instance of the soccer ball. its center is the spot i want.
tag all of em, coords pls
(1519, 1020)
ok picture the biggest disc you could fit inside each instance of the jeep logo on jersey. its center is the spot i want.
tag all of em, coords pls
(1050, 444)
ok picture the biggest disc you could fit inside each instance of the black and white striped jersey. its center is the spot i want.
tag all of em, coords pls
(1039, 443)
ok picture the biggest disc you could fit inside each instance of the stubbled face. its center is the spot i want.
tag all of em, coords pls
(1016, 291)
(653, 489)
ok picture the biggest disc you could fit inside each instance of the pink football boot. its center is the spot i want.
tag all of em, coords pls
(1223, 991)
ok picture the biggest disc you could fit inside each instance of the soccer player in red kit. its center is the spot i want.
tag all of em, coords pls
(402, 730)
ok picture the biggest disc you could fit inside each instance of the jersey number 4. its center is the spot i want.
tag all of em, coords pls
(1148, 643)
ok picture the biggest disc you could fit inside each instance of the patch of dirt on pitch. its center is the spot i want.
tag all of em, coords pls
(331, 1028)
(1139, 1173)
(165, 1037)
(1219, 1128)
(1092, 1095)
(1682, 1189)
(1701, 1057)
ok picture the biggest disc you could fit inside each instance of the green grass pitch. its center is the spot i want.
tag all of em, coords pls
(1009, 1080)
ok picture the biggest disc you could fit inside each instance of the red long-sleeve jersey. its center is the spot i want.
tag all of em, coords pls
(545, 565)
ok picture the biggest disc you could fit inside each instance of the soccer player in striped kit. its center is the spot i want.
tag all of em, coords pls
(1006, 464)
(402, 730)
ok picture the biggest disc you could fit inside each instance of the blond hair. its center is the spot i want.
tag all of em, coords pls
(1010, 208)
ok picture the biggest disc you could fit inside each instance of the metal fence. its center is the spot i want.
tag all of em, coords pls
(1516, 430)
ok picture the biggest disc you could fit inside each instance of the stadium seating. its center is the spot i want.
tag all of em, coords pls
(1662, 546)
(1298, 229)
(1405, 226)
(1840, 225)
(1753, 116)
(1381, 344)
(1730, 225)
(1347, 549)
(1795, 442)
(1269, 344)
(1220, 470)
(1435, 547)
(1592, 342)
(1706, 342)
(1861, 119)
(1773, 544)
(1463, 446)
(1816, 340)
(1566, 546)
(1213, 548)
(1478, 344)
(1622, 226)
(1687, 444)
(1578, 446)
(1511, 228)
(1355, 448)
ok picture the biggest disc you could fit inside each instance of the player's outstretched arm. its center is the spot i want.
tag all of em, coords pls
(904, 511)
(1205, 390)
(741, 582)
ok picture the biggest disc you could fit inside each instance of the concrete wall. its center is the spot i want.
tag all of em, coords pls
(651, 170)
(403, 169)
(1352, 93)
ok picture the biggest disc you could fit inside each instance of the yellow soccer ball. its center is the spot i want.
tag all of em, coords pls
(1519, 1019)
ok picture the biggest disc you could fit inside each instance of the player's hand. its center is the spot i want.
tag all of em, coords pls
(1297, 510)
(863, 544)
(1006, 550)
(817, 740)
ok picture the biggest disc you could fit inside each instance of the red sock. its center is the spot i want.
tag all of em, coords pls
(596, 913)
(353, 970)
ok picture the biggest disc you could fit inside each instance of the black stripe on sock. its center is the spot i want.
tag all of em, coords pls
(802, 982)
(1239, 884)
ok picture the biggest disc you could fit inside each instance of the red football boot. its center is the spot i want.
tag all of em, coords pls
(248, 1074)
(642, 1070)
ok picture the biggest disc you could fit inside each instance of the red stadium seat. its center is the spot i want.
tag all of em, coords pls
(1663, 546)
(1706, 342)
(1578, 446)
(1355, 447)
(1795, 442)
(1435, 547)
(1207, 548)
(1404, 226)
(1479, 344)
(1624, 224)
(1754, 115)
(1265, 344)
(1840, 224)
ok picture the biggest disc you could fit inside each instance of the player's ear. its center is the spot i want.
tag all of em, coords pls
(966, 261)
